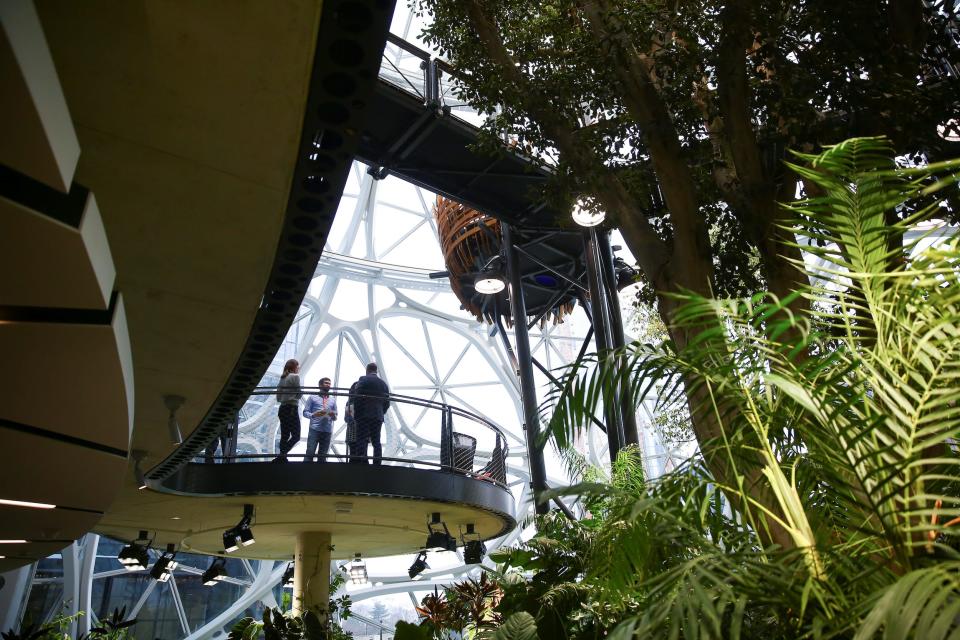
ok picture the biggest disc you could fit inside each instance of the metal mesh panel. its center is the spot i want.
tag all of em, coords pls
(464, 449)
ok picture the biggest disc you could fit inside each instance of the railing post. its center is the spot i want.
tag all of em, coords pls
(431, 83)
(528, 396)
(446, 439)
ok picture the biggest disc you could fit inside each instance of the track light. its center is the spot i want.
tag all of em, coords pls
(438, 536)
(474, 551)
(241, 534)
(134, 556)
(215, 573)
(418, 565)
(230, 541)
(165, 564)
(246, 536)
(358, 571)
(489, 283)
(287, 580)
(473, 548)
(586, 217)
(174, 402)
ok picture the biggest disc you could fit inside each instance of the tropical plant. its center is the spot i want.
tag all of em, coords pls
(116, 627)
(277, 625)
(673, 118)
(477, 599)
(466, 609)
(851, 410)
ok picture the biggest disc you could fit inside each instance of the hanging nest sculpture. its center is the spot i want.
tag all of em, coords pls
(471, 241)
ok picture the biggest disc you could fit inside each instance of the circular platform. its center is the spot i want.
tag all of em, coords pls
(375, 511)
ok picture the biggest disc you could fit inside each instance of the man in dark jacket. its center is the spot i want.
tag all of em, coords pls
(371, 399)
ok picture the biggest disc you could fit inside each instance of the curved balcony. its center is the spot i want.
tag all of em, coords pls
(456, 467)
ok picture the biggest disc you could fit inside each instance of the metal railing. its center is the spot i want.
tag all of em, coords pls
(463, 442)
(434, 81)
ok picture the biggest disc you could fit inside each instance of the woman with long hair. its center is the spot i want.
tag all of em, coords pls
(288, 395)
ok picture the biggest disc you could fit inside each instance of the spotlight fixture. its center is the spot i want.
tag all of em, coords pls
(216, 572)
(134, 556)
(241, 534)
(488, 283)
(438, 536)
(587, 217)
(165, 564)
(358, 571)
(174, 402)
(473, 548)
(474, 551)
(418, 565)
(287, 580)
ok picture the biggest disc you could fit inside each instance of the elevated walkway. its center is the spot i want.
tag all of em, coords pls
(454, 465)
(411, 132)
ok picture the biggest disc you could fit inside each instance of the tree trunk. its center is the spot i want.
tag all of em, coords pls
(713, 436)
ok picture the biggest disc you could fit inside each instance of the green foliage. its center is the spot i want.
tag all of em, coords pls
(466, 607)
(409, 631)
(277, 625)
(116, 627)
(519, 626)
(852, 411)
(736, 83)
(113, 628)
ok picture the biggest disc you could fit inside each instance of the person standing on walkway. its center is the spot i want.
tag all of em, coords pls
(288, 395)
(322, 411)
(350, 438)
(371, 399)
(226, 439)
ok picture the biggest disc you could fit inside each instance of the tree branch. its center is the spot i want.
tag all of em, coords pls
(649, 249)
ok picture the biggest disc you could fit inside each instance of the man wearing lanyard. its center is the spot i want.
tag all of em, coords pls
(322, 411)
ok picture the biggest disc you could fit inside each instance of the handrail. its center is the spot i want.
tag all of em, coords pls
(409, 47)
(404, 399)
(425, 56)
(453, 458)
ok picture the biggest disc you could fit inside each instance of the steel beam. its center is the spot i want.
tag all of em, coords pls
(628, 413)
(528, 394)
(601, 328)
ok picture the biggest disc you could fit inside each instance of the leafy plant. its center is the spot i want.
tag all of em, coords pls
(674, 117)
(277, 625)
(115, 627)
(850, 411)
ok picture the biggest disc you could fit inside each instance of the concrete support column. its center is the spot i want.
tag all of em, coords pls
(71, 584)
(90, 543)
(311, 573)
(14, 591)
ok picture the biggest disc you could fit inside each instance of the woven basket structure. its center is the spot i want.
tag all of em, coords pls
(469, 240)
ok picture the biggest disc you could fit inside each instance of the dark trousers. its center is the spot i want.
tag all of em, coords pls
(289, 428)
(317, 442)
(368, 431)
(224, 441)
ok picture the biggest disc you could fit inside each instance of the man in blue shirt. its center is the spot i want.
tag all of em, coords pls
(322, 411)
